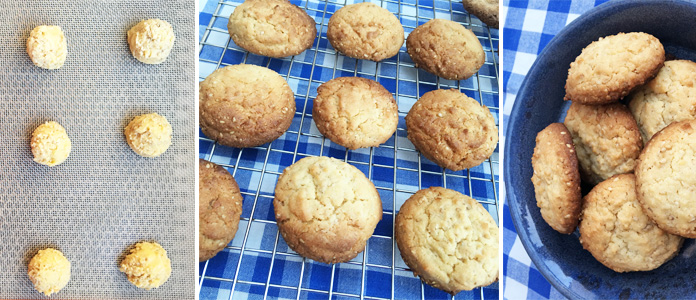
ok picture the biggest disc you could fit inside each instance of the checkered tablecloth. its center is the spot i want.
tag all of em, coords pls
(529, 26)
(258, 262)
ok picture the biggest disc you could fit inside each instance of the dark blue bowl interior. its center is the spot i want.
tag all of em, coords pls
(561, 258)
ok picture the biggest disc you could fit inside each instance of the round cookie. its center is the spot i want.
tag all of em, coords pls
(49, 271)
(556, 178)
(448, 239)
(485, 10)
(446, 49)
(355, 112)
(615, 229)
(245, 106)
(606, 138)
(147, 266)
(47, 47)
(219, 209)
(669, 97)
(151, 41)
(274, 28)
(365, 31)
(50, 144)
(609, 68)
(326, 209)
(451, 129)
(666, 177)
(149, 135)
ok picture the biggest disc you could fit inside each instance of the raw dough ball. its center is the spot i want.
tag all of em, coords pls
(151, 40)
(49, 271)
(50, 144)
(47, 47)
(147, 266)
(149, 135)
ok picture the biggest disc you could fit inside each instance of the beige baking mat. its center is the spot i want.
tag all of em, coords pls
(104, 198)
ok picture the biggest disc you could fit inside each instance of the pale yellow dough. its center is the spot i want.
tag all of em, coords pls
(49, 271)
(47, 47)
(147, 266)
(149, 135)
(50, 144)
(151, 41)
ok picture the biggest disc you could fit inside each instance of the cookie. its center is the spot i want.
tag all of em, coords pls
(326, 209)
(618, 233)
(556, 178)
(245, 106)
(151, 41)
(47, 47)
(219, 209)
(147, 265)
(666, 177)
(669, 97)
(49, 271)
(365, 31)
(446, 49)
(355, 112)
(448, 239)
(149, 135)
(485, 10)
(274, 28)
(606, 137)
(611, 67)
(50, 144)
(451, 129)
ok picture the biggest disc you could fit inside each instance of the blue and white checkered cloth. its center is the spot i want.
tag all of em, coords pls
(258, 262)
(528, 27)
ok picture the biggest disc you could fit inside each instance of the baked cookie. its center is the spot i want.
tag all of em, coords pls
(355, 112)
(245, 106)
(448, 239)
(618, 233)
(274, 28)
(219, 209)
(451, 129)
(485, 10)
(609, 68)
(50, 144)
(666, 177)
(149, 135)
(446, 49)
(326, 209)
(606, 137)
(147, 265)
(365, 31)
(669, 97)
(49, 271)
(151, 41)
(47, 47)
(556, 178)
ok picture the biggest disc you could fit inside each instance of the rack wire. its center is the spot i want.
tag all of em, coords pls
(258, 264)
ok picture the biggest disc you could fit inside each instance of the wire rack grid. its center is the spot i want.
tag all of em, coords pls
(258, 264)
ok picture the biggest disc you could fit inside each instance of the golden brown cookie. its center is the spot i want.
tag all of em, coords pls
(451, 129)
(446, 49)
(485, 10)
(666, 178)
(326, 209)
(355, 112)
(618, 233)
(275, 28)
(606, 138)
(365, 31)
(556, 178)
(448, 239)
(609, 68)
(219, 209)
(245, 106)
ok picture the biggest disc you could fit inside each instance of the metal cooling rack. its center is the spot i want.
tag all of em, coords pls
(258, 264)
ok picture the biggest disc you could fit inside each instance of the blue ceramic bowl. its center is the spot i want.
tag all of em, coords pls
(561, 258)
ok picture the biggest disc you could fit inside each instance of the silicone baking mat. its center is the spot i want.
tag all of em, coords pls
(258, 264)
(104, 198)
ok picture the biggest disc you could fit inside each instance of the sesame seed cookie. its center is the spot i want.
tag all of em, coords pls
(448, 239)
(47, 47)
(245, 106)
(556, 178)
(151, 41)
(147, 265)
(446, 49)
(365, 31)
(609, 68)
(50, 144)
(618, 233)
(666, 178)
(451, 129)
(606, 137)
(219, 209)
(49, 271)
(669, 97)
(149, 135)
(485, 10)
(355, 112)
(275, 28)
(326, 209)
